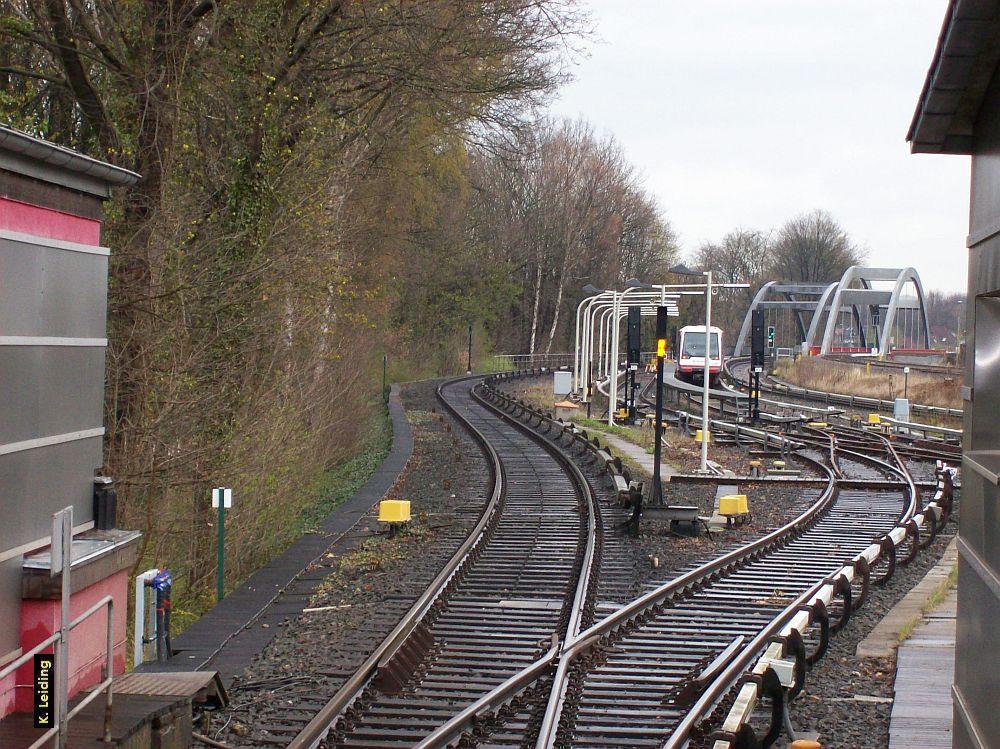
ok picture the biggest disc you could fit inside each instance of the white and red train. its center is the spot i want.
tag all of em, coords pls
(691, 353)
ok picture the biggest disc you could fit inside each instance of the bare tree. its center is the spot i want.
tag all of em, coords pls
(944, 314)
(813, 247)
(742, 256)
(563, 209)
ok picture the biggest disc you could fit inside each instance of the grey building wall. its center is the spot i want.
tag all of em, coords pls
(977, 667)
(53, 299)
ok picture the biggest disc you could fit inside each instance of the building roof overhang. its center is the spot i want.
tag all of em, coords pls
(966, 57)
(39, 159)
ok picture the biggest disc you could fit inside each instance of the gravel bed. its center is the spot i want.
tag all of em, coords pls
(771, 506)
(368, 585)
(372, 581)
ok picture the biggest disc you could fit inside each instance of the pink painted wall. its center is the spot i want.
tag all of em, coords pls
(87, 642)
(47, 222)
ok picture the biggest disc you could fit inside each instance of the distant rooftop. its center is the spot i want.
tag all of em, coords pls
(966, 57)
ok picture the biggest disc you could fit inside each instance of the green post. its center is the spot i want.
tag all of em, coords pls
(221, 574)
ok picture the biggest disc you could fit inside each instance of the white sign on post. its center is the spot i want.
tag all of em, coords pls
(58, 542)
(226, 496)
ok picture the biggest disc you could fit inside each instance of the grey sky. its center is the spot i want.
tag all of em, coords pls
(748, 112)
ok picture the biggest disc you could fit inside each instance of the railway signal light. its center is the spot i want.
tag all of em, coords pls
(661, 352)
(634, 354)
(770, 336)
(758, 355)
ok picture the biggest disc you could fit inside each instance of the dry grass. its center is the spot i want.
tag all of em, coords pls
(935, 599)
(852, 379)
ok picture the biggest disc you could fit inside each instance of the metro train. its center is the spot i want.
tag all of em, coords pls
(691, 354)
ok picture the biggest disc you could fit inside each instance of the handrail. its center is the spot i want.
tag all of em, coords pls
(107, 669)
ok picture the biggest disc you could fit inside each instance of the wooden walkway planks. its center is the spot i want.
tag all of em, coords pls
(925, 669)
(130, 723)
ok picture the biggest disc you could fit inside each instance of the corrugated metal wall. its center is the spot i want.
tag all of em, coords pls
(977, 666)
(53, 300)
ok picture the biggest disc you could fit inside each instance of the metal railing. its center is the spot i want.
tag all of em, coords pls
(107, 674)
(62, 537)
(505, 362)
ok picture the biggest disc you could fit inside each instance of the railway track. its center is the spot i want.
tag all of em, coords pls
(739, 371)
(506, 648)
(517, 585)
(648, 674)
(944, 370)
(924, 452)
(675, 645)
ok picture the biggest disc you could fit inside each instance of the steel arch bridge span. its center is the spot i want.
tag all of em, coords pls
(804, 300)
(873, 313)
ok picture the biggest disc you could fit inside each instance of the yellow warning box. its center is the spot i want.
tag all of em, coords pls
(394, 511)
(874, 419)
(733, 504)
(778, 463)
(818, 424)
(697, 436)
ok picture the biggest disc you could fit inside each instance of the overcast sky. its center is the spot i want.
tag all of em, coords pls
(748, 112)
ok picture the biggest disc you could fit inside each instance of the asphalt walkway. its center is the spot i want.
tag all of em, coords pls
(636, 453)
(230, 634)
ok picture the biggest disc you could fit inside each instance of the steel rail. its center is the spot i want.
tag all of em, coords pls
(327, 717)
(593, 635)
(573, 647)
(839, 398)
(725, 681)
(735, 727)
(464, 721)
(732, 671)
(589, 555)
(317, 728)
(723, 673)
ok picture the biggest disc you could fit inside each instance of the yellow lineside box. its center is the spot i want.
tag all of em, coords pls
(733, 504)
(874, 419)
(394, 511)
(697, 436)
(818, 424)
